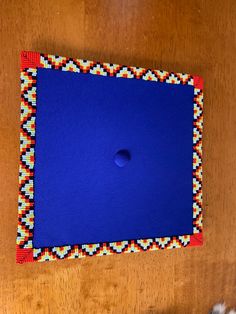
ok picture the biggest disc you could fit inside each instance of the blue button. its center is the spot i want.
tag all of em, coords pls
(122, 157)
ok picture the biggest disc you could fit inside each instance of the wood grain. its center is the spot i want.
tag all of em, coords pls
(187, 36)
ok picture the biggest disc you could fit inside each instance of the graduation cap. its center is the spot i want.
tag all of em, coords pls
(110, 159)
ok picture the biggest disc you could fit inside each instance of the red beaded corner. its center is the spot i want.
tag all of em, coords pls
(30, 59)
(24, 255)
(198, 82)
(196, 239)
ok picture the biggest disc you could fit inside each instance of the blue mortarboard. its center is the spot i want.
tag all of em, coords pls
(110, 159)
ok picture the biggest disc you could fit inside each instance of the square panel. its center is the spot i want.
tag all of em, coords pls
(115, 164)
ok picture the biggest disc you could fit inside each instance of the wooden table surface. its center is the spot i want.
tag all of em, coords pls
(189, 36)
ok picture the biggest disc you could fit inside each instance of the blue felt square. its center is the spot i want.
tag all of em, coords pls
(82, 194)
